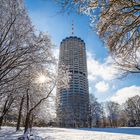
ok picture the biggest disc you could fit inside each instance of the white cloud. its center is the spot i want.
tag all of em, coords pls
(105, 70)
(123, 94)
(102, 86)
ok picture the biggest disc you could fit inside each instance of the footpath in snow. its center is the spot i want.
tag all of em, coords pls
(8, 133)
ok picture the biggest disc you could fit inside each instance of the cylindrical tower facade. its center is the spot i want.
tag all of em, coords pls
(73, 103)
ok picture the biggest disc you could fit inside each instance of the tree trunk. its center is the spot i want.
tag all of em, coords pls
(31, 121)
(104, 122)
(27, 122)
(90, 122)
(1, 120)
(6, 108)
(98, 123)
(20, 114)
(110, 121)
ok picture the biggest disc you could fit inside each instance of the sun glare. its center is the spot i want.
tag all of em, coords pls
(41, 79)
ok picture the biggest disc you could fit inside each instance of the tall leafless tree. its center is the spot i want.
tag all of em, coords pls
(15, 37)
(132, 109)
(95, 107)
(113, 113)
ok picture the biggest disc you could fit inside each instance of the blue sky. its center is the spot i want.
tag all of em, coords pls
(46, 17)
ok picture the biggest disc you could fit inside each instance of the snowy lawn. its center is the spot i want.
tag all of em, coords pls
(8, 133)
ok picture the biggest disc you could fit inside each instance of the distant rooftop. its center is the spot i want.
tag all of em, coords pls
(72, 37)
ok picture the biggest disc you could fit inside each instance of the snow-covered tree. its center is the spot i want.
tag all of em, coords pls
(113, 110)
(132, 109)
(45, 114)
(6, 103)
(95, 108)
(27, 65)
(103, 115)
(16, 31)
(40, 88)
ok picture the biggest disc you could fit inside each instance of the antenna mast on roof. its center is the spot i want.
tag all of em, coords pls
(72, 27)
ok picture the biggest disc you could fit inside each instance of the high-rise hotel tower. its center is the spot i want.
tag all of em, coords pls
(73, 103)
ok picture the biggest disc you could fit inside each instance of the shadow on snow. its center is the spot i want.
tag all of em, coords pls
(133, 131)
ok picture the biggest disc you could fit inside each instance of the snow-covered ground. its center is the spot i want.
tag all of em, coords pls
(8, 133)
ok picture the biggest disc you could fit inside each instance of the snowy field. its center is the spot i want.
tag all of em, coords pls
(8, 133)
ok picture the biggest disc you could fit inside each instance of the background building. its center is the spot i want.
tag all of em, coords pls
(73, 103)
